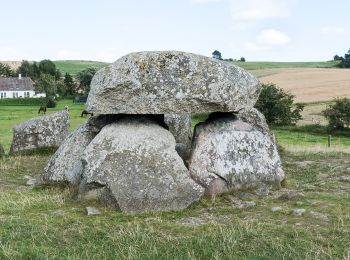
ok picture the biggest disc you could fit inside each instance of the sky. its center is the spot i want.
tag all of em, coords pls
(105, 30)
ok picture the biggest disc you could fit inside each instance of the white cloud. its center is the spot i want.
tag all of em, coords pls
(267, 39)
(205, 1)
(333, 30)
(248, 12)
(11, 54)
(67, 55)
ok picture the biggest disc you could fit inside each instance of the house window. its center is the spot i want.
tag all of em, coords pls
(2, 95)
(26, 94)
(15, 94)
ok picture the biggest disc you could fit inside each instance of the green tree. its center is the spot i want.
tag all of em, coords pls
(48, 67)
(345, 61)
(338, 113)
(70, 85)
(27, 69)
(277, 106)
(217, 55)
(6, 71)
(242, 59)
(337, 57)
(48, 85)
(84, 78)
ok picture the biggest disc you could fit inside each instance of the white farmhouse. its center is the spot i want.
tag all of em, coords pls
(21, 87)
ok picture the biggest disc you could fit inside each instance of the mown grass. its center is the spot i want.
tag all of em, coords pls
(74, 66)
(210, 229)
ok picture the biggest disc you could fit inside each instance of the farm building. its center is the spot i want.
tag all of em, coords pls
(19, 87)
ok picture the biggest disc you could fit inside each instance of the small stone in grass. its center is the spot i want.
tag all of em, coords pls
(299, 212)
(91, 211)
(274, 209)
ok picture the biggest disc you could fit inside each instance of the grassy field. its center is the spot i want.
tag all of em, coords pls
(46, 222)
(12, 115)
(74, 66)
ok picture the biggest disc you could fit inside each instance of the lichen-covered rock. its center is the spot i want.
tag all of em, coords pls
(229, 154)
(2, 151)
(181, 128)
(44, 131)
(135, 160)
(255, 118)
(171, 82)
(65, 164)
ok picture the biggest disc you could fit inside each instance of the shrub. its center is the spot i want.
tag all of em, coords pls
(277, 106)
(23, 102)
(50, 102)
(338, 113)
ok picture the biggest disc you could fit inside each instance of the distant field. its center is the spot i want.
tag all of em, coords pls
(70, 66)
(312, 84)
(263, 65)
(74, 66)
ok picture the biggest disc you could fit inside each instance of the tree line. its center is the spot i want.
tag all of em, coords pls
(49, 80)
(344, 61)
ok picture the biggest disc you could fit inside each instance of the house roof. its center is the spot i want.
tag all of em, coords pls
(16, 84)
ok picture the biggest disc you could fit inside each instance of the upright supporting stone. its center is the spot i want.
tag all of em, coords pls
(181, 128)
(229, 154)
(135, 160)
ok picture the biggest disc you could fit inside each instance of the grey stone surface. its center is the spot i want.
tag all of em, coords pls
(298, 212)
(291, 194)
(92, 211)
(44, 131)
(239, 204)
(180, 125)
(255, 118)
(2, 151)
(65, 164)
(275, 209)
(30, 180)
(58, 213)
(235, 153)
(171, 82)
(135, 160)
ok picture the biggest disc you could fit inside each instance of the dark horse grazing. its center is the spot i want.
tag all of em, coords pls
(84, 113)
(42, 109)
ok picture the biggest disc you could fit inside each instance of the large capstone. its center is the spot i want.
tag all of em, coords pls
(44, 131)
(135, 160)
(229, 154)
(171, 82)
(181, 128)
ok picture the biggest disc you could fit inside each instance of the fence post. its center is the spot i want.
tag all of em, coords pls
(329, 140)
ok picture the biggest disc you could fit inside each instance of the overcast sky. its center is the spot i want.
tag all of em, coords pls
(104, 30)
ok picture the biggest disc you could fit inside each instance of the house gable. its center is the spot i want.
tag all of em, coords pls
(16, 84)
